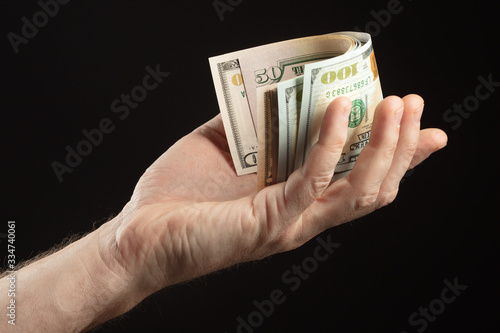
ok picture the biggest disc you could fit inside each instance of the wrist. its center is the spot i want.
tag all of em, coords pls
(108, 288)
(76, 288)
(73, 289)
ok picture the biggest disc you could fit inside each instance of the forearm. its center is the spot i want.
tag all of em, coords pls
(74, 289)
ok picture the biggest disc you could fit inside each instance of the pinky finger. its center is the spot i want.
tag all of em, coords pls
(430, 141)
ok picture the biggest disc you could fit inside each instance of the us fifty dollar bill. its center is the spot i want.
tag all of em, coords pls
(237, 76)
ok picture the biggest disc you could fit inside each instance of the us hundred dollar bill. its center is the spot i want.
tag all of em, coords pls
(354, 75)
(237, 76)
(289, 103)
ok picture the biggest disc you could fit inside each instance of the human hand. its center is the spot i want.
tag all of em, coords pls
(190, 214)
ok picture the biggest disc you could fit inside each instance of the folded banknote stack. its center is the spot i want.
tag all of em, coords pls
(272, 99)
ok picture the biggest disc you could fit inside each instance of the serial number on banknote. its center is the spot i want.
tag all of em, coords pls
(349, 88)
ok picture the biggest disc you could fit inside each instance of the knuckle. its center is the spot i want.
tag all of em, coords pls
(374, 200)
(366, 200)
(316, 183)
(388, 151)
(410, 150)
(386, 198)
(334, 147)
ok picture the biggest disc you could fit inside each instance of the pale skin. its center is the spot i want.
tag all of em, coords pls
(183, 221)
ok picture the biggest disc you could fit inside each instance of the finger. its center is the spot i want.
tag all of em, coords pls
(406, 148)
(430, 141)
(354, 195)
(375, 160)
(306, 184)
(344, 200)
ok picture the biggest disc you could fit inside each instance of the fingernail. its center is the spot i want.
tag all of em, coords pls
(441, 137)
(417, 115)
(347, 112)
(398, 115)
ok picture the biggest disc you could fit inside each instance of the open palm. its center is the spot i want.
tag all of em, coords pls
(190, 214)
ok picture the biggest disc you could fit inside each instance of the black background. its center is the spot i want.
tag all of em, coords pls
(444, 224)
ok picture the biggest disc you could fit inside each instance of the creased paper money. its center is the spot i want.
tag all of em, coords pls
(273, 98)
(237, 75)
(354, 75)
